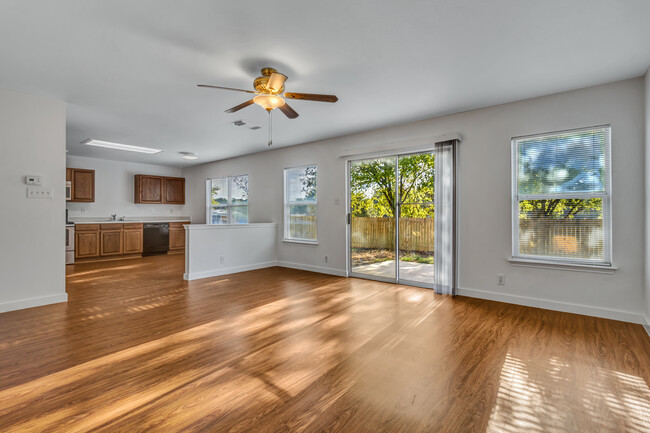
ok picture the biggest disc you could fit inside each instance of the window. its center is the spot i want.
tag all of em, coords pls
(228, 200)
(300, 203)
(562, 197)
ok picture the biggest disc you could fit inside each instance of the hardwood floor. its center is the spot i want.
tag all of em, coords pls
(136, 348)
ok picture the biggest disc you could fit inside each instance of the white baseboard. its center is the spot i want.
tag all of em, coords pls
(311, 268)
(646, 325)
(566, 307)
(226, 271)
(33, 302)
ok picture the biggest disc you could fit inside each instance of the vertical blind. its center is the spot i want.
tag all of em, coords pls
(561, 196)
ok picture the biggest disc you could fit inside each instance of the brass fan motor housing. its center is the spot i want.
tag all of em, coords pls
(260, 82)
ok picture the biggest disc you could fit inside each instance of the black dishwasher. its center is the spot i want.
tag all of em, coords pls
(155, 238)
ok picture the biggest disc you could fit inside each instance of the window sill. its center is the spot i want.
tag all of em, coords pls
(575, 267)
(301, 242)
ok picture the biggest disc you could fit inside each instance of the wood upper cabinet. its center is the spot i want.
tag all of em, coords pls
(86, 243)
(177, 235)
(111, 242)
(159, 189)
(82, 184)
(174, 188)
(148, 189)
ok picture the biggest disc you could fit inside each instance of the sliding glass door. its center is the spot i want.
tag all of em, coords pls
(416, 219)
(391, 218)
(372, 218)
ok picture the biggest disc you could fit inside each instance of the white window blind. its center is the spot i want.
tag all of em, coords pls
(562, 196)
(300, 203)
(228, 200)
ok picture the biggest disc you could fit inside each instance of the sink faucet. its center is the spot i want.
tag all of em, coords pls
(113, 217)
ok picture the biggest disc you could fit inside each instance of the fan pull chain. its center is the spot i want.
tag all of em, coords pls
(270, 130)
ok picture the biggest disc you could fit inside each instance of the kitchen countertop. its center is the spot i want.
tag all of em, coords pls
(132, 220)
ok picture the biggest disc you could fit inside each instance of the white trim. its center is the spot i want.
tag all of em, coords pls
(33, 302)
(311, 268)
(228, 226)
(566, 307)
(300, 242)
(647, 326)
(262, 265)
(226, 271)
(563, 266)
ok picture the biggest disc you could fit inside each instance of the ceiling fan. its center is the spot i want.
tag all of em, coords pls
(268, 91)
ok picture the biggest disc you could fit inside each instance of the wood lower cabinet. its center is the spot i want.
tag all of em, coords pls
(110, 242)
(158, 189)
(177, 236)
(86, 241)
(82, 183)
(133, 238)
(105, 241)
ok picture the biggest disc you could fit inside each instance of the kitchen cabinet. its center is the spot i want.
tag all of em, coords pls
(148, 189)
(177, 236)
(86, 241)
(82, 184)
(174, 188)
(110, 240)
(159, 189)
(133, 238)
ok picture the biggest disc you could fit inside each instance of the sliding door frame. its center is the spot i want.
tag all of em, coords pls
(396, 212)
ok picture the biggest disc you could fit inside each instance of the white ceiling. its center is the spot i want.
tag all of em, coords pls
(128, 69)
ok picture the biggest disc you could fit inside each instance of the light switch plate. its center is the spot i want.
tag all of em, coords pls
(44, 192)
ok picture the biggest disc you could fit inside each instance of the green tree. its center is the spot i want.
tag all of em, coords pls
(373, 187)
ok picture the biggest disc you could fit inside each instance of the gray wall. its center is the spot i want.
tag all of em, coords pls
(484, 196)
(32, 239)
(647, 196)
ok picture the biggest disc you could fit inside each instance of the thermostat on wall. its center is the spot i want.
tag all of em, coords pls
(33, 180)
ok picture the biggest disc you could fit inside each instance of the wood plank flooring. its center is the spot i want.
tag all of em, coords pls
(136, 348)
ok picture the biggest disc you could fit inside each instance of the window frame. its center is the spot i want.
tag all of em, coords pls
(229, 206)
(288, 204)
(605, 196)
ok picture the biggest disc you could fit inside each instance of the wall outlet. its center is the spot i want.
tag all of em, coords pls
(501, 279)
(39, 192)
(222, 259)
(326, 259)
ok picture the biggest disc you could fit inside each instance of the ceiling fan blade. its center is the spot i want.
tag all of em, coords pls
(288, 111)
(311, 97)
(240, 106)
(276, 81)
(225, 88)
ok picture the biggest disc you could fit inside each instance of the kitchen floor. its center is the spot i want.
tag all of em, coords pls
(137, 348)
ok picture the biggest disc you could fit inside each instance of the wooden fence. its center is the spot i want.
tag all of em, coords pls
(416, 234)
(581, 238)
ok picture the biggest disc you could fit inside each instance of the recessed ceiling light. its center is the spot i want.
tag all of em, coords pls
(118, 146)
(189, 155)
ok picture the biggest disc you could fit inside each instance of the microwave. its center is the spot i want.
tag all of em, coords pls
(68, 190)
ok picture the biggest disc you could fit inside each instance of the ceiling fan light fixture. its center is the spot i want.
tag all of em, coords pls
(269, 102)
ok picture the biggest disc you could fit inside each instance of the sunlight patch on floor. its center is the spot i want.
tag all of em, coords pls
(528, 401)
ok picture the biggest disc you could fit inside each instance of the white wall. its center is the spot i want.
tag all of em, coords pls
(483, 193)
(212, 250)
(114, 189)
(32, 239)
